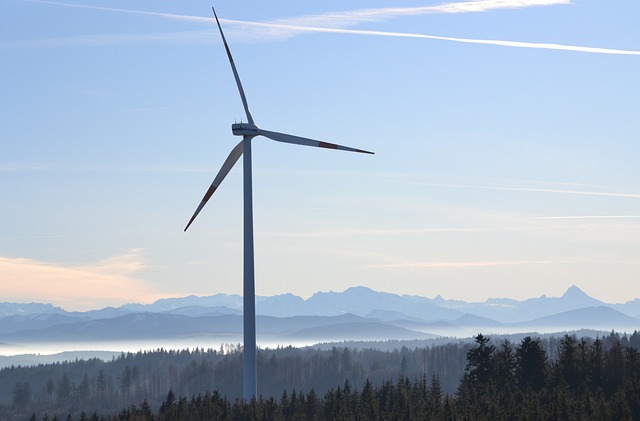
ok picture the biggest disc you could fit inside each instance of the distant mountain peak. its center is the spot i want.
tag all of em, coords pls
(574, 292)
(361, 290)
(575, 298)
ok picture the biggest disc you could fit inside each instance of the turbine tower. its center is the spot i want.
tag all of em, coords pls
(248, 131)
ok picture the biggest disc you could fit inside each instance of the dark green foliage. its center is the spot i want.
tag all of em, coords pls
(21, 395)
(531, 364)
(586, 381)
(102, 387)
(581, 379)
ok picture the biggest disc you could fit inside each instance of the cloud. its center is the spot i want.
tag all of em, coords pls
(502, 43)
(354, 232)
(538, 190)
(446, 265)
(344, 18)
(58, 167)
(109, 282)
(467, 265)
(130, 11)
(334, 22)
(21, 166)
(145, 109)
(355, 17)
(590, 217)
(102, 40)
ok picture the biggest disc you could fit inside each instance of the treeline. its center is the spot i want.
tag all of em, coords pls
(590, 379)
(98, 386)
(534, 379)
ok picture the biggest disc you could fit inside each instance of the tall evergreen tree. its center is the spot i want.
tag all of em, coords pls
(531, 363)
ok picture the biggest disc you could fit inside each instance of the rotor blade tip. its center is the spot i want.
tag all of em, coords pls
(190, 221)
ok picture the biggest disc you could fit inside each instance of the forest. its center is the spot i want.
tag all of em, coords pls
(557, 378)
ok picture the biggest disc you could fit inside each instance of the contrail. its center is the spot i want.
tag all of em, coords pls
(350, 17)
(135, 12)
(463, 265)
(338, 20)
(354, 17)
(590, 217)
(537, 190)
(493, 263)
(184, 37)
(21, 166)
(503, 43)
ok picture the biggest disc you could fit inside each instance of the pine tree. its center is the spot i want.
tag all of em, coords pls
(531, 363)
(21, 395)
(480, 360)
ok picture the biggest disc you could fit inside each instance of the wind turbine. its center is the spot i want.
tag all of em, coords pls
(248, 131)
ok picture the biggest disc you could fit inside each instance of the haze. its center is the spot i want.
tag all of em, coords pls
(505, 137)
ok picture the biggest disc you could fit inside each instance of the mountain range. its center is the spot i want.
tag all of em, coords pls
(358, 313)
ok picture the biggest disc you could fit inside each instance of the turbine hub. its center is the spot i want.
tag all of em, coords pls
(245, 129)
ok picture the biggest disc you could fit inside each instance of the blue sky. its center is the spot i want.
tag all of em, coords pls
(506, 139)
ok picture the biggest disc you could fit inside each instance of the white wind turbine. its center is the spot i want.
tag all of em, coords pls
(248, 131)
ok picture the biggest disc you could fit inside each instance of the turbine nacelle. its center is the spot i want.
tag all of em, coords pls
(248, 131)
(245, 129)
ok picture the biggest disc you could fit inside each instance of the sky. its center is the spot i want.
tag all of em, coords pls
(505, 136)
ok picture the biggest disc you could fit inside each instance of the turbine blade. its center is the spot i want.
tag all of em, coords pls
(224, 170)
(235, 72)
(297, 140)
